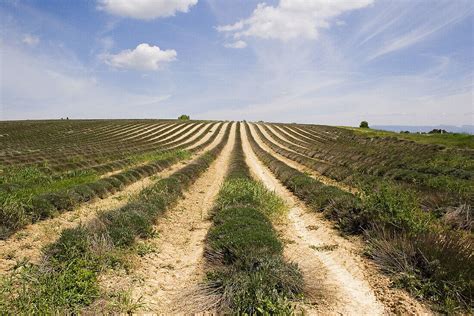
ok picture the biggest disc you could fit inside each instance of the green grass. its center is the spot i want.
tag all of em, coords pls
(242, 191)
(448, 140)
(23, 182)
(159, 155)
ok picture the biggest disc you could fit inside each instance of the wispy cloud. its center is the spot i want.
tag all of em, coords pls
(402, 25)
(236, 44)
(145, 9)
(30, 40)
(291, 19)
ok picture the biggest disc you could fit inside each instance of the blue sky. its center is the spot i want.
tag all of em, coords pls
(313, 61)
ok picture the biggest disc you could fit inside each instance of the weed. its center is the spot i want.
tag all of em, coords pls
(324, 247)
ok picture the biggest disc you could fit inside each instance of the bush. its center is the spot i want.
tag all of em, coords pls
(184, 117)
(437, 265)
(364, 124)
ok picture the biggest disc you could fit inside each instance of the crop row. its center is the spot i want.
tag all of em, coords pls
(67, 280)
(398, 155)
(15, 213)
(106, 149)
(245, 257)
(437, 260)
(444, 179)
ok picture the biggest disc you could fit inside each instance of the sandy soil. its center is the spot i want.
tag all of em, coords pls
(28, 242)
(161, 278)
(313, 173)
(338, 280)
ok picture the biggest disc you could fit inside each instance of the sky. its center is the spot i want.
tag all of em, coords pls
(311, 61)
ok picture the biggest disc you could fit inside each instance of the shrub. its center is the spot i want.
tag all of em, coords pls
(364, 124)
(437, 265)
(184, 117)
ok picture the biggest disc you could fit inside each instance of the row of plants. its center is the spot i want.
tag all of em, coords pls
(432, 260)
(438, 191)
(149, 155)
(88, 146)
(431, 166)
(82, 155)
(67, 280)
(245, 264)
(29, 142)
(37, 196)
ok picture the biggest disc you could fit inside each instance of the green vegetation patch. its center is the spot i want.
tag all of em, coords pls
(28, 195)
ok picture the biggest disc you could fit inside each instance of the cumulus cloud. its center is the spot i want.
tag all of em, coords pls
(291, 19)
(30, 40)
(44, 87)
(143, 57)
(145, 9)
(237, 44)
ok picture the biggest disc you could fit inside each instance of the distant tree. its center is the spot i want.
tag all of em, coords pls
(184, 117)
(364, 124)
(404, 132)
(437, 131)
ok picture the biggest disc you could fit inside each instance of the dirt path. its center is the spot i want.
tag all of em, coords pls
(338, 280)
(314, 174)
(161, 278)
(28, 242)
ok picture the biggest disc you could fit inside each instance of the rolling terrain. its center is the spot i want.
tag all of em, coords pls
(170, 216)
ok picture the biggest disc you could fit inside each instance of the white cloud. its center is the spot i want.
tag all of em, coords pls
(237, 44)
(30, 40)
(143, 57)
(38, 86)
(145, 9)
(291, 19)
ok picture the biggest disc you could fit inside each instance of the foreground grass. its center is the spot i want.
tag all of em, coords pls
(425, 255)
(247, 268)
(449, 140)
(66, 281)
